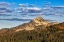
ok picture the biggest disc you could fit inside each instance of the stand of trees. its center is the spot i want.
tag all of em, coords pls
(52, 34)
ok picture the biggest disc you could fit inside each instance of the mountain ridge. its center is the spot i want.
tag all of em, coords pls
(38, 21)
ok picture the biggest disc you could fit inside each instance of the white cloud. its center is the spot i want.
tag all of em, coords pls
(58, 6)
(34, 8)
(4, 4)
(3, 8)
(29, 9)
(26, 5)
(1, 11)
(16, 19)
(22, 5)
(46, 8)
(9, 10)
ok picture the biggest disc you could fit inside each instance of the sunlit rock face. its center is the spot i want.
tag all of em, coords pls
(37, 22)
(40, 21)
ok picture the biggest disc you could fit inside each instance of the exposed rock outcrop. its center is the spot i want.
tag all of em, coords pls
(36, 22)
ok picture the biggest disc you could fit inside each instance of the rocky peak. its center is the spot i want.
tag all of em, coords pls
(38, 18)
(39, 21)
(36, 22)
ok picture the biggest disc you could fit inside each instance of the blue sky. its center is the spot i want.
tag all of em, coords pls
(16, 12)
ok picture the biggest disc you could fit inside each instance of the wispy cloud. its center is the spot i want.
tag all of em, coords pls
(3, 8)
(30, 10)
(1, 11)
(16, 19)
(58, 7)
(27, 5)
(50, 20)
(4, 3)
(5, 14)
(9, 10)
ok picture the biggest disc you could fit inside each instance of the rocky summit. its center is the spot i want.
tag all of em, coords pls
(38, 21)
(33, 24)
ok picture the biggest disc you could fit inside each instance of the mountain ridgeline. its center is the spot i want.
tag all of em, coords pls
(37, 30)
(38, 21)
